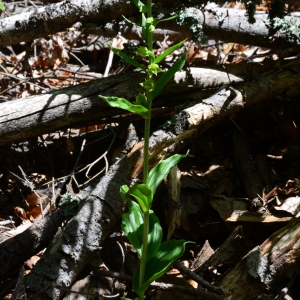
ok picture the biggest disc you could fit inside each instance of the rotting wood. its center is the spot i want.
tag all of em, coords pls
(266, 268)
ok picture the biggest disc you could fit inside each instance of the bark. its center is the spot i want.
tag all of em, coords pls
(82, 237)
(228, 101)
(59, 16)
(267, 268)
(101, 209)
(95, 220)
(236, 28)
(77, 105)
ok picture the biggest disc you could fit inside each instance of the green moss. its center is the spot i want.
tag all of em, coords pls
(289, 27)
(190, 18)
(68, 205)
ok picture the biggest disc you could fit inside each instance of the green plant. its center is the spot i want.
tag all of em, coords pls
(1, 6)
(139, 223)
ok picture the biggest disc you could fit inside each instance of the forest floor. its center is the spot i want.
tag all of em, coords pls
(214, 201)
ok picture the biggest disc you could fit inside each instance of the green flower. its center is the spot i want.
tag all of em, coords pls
(142, 51)
(148, 85)
(153, 69)
(150, 21)
(151, 28)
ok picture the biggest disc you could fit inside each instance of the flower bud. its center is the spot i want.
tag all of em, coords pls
(148, 85)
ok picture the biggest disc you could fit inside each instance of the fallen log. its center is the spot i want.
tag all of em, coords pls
(231, 26)
(59, 16)
(95, 220)
(23, 119)
(267, 268)
(82, 237)
(78, 105)
(16, 250)
(281, 83)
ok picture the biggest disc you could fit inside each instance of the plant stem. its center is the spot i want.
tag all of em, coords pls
(149, 102)
(145, 246)
(146, 159)
(146, 148)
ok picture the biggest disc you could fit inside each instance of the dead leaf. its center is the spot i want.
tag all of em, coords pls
(290, 205)
(226, 205)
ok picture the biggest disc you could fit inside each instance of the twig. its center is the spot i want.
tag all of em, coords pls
(161, 285)
(32, 188)
(178, 265)
(110, 59)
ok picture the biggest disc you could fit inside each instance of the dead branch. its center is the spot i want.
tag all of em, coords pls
(82, 237)
(23, 119)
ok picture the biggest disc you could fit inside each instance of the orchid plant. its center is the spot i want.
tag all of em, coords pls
(139, 223)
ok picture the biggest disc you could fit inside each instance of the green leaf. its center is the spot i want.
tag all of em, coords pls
(123, 191)
(161, 170)
(133, 226)
(1, 6)
(168, 19)
(156, 266)
(125, 104)
(169, 51)
(126, 57)
(143, 195)
(141, 5)
(154, 235)
(130, 22)
(163, 80)
(138, 3)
